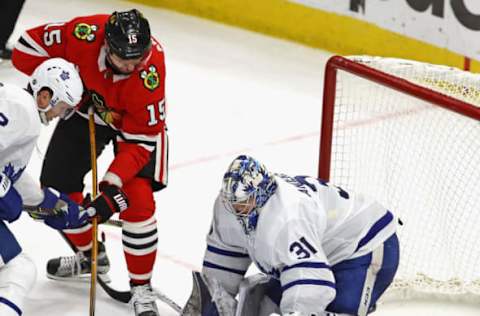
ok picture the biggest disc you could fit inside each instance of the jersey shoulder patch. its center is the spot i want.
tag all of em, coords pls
(150, 77)
(85, 32)
(87, 28)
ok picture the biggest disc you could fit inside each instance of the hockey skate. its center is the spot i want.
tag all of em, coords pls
(143, 300)
(77, 267)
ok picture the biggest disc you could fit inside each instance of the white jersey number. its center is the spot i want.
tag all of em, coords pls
(152, 113)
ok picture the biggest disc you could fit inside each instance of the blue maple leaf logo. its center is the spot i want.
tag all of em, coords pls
(9, 171)
(65, 75)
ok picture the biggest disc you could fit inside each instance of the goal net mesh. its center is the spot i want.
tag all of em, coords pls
(420, 160)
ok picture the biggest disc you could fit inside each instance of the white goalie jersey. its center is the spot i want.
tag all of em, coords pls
(306, 227)
(19, 129)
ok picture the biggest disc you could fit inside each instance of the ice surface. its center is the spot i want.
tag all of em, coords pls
(229, 91)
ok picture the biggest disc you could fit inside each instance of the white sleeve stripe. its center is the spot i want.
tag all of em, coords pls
(35, 46)
(24, 49)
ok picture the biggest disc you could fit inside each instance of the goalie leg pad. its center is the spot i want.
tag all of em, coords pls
(259, 295)
(208, 298)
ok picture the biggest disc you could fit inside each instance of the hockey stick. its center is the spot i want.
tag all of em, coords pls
(162, 297)
(93, 258)
(123, 296)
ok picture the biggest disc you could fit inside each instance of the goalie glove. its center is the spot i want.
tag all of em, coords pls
(111, 200)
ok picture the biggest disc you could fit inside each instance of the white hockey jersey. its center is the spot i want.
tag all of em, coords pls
(19, 129)
(305, 227)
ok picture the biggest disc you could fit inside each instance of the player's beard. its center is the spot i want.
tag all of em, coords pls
(114, 69)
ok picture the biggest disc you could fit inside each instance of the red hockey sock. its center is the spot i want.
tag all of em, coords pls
(140, 248)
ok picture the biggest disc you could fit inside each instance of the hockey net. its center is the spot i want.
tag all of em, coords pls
(408, 134)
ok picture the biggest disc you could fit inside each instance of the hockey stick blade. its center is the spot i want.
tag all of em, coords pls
(121, 296)
(124, 296)
(167, 300)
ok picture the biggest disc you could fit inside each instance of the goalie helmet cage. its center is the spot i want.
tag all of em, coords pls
(408, 134)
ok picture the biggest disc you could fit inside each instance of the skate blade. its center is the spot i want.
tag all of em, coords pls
(79, 279)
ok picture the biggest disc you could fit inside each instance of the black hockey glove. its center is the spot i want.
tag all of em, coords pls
(111, 200)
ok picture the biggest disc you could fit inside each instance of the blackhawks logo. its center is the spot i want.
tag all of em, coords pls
(85, 32)
(109, 116)
(151, 80)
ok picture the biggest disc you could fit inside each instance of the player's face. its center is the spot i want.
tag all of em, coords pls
(125, 66)
(61, 109)
(43, 99)
(244, 208)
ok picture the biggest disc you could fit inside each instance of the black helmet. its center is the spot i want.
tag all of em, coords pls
(128, 34)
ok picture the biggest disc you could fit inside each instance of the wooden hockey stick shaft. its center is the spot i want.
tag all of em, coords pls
(93, 163)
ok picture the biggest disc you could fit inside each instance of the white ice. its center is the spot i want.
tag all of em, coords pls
(229, 91)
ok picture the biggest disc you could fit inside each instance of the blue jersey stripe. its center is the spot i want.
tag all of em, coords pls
(308, 282)
(223, 252)
(219, 267)
(10, 304)
(377, 227)
(314, 265)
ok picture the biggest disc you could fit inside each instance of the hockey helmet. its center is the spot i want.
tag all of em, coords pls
(62, 79)
(246, 179)
(128, 34)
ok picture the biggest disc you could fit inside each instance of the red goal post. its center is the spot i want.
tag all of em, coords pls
(408, 133)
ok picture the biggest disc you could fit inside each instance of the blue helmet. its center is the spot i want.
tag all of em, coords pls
(247, 178)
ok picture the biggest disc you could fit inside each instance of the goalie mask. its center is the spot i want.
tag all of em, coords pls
(62, 80)
(247, 185)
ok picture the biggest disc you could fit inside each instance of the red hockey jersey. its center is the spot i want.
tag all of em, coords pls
(133, 105)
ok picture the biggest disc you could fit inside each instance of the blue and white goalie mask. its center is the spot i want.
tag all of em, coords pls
(247, 185)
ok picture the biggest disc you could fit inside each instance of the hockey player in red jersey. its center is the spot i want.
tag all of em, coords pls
(123, 71)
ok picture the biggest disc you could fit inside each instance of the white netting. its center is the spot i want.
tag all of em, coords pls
(420, 160)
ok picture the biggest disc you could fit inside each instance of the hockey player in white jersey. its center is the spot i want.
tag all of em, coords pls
(54, 90)
(322, 250)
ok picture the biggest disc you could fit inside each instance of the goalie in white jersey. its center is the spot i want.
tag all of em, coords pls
(54, 90)
(323, 251)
